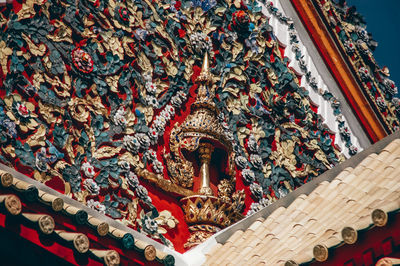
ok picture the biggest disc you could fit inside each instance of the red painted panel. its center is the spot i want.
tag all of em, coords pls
(387, 246)
(368, 257)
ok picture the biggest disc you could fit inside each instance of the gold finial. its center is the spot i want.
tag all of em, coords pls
(205, 93)
(206, 65)
(205, 74)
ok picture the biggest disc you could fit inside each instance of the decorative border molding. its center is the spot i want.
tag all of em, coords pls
(340, 70)
(371, 83)
(329, 107)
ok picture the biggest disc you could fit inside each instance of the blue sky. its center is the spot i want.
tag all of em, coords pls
(382, 19)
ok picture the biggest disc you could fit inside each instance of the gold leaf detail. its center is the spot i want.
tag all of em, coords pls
(41, 176)
(5, 52)
(133, 160)
(106, 152)
(9, 150)
(39, 50)
(81, 195)
(62, 33)
(38, 139)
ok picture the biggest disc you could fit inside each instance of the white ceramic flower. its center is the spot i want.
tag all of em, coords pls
(119, 117)
(94, 204)
(88, 170)
(91, 186)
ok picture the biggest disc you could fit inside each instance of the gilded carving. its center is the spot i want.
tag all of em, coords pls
(209, 210)
(181, 170)
(320, 253)
(13, 204)
(201, 123)
(349, 235)
(150, 252)
(6, 178)
(225, 189)
(204, 209)
(358, 45)
(198, 236)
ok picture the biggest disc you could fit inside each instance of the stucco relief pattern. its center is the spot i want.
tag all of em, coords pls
(92, 89)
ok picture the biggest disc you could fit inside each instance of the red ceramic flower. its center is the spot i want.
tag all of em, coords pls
(123, 14)
(22, 110)
(240, 21)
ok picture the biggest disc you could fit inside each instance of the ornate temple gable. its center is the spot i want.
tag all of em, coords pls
(348, 29)
(99, 97)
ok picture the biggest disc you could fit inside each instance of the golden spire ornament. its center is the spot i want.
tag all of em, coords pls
(208, 210)
(206, 93)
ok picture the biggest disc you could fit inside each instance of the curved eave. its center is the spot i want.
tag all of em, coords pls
(37, 199)
(369, 118)
(374, 243)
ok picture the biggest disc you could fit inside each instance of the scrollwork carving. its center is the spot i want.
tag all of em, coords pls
(181, 170)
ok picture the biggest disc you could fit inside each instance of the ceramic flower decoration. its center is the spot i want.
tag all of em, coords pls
(92, 91)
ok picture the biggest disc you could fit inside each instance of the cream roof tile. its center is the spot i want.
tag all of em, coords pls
(215, 250)
(321, 187)
(345, 172)
(367, 161)
(239, 255)
(375, 164)
(391, 173)
(276, 213)
(295, 205)
(392, 157)
(235, 237)
(357, 170)
(250, 240)
(396, 153)
(350, 178)
(274, 242)
(392, 146)
(363, 222)
(256, 224)
(384, 155)
(368, 173)
(391, 184)
(260, 231)
(257, 250)
(395, 163)
(253, 259)
(299, 217)
(390, 206)
(224, 251)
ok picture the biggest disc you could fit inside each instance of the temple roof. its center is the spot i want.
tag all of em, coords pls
(71, 227)
(339, 206)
